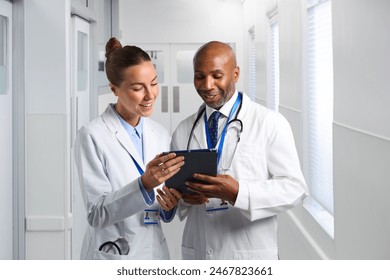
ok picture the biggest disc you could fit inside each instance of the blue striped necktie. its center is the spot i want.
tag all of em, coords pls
(213, 128)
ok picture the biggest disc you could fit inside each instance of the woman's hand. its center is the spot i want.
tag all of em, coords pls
(168, 198)
(160, 169)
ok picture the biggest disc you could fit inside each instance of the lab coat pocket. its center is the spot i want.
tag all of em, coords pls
(99, 255)
(250, 162)
(187, 253)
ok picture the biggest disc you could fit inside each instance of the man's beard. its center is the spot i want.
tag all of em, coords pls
(225, 97)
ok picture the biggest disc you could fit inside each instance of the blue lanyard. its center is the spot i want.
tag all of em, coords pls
(220, 147)
(140, 170)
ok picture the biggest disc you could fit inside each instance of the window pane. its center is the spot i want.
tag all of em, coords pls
(275, 66)
(158, 59)
(320, 102)
(185, 72)
(252, 65)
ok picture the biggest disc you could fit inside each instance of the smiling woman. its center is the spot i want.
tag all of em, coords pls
(137, 93)
(111, 155)
(133, 80)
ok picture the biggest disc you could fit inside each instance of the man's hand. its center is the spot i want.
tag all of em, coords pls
(224, 187)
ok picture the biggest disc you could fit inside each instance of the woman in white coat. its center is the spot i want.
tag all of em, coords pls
(117, 187)
(234, 215)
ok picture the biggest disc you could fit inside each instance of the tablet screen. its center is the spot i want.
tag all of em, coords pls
(202, 161)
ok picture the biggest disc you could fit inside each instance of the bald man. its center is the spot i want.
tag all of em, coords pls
(234, 215)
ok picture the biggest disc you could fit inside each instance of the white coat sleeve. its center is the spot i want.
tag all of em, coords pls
(104, 205)
(285, 186)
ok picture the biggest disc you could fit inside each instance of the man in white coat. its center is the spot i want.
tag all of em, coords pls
(234, 215)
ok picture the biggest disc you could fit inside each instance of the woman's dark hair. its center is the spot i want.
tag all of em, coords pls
(119, 58)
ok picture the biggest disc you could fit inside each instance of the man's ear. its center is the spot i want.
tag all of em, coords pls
(112, 87)
(236, 74)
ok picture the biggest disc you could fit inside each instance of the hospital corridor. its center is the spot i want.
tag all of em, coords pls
(322, 65)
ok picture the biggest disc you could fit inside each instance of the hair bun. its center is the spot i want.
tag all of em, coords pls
(112, 45)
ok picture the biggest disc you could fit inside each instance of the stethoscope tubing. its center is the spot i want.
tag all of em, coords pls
(194, 125)
(112, 244)
(203, 110)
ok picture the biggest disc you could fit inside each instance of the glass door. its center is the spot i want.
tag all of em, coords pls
(185, 99)
(159, 54)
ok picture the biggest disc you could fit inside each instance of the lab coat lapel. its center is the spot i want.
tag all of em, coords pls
(114, 125)
(150, 136)
(245, 105)
(128, 145)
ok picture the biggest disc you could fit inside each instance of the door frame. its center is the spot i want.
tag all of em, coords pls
(78, 99)
(18, 131)
(6, 123)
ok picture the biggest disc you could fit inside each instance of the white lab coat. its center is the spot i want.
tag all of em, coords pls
(267, 168)
(109, 185)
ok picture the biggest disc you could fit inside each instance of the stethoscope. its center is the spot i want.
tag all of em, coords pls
(202, 111)
(119, 246)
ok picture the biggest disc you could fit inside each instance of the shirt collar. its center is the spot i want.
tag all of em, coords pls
(137, 130)
(225, 110)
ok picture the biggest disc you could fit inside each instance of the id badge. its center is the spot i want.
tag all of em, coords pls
(216, 204)
(151, 217)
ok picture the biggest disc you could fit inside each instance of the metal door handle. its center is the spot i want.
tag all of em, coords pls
(176, 99)
(164, 99)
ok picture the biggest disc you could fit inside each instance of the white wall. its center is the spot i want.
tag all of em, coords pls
(180, 21)
(361, 130)
(184, 21)
(47, 84)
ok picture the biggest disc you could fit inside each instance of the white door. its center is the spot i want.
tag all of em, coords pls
(185, 99)
(6, 120)
(80, 112)
(178, 98)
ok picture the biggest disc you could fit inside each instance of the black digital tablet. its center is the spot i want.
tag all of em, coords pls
(202, 161)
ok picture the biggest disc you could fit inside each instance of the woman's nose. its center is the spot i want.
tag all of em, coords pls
(151, 92)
